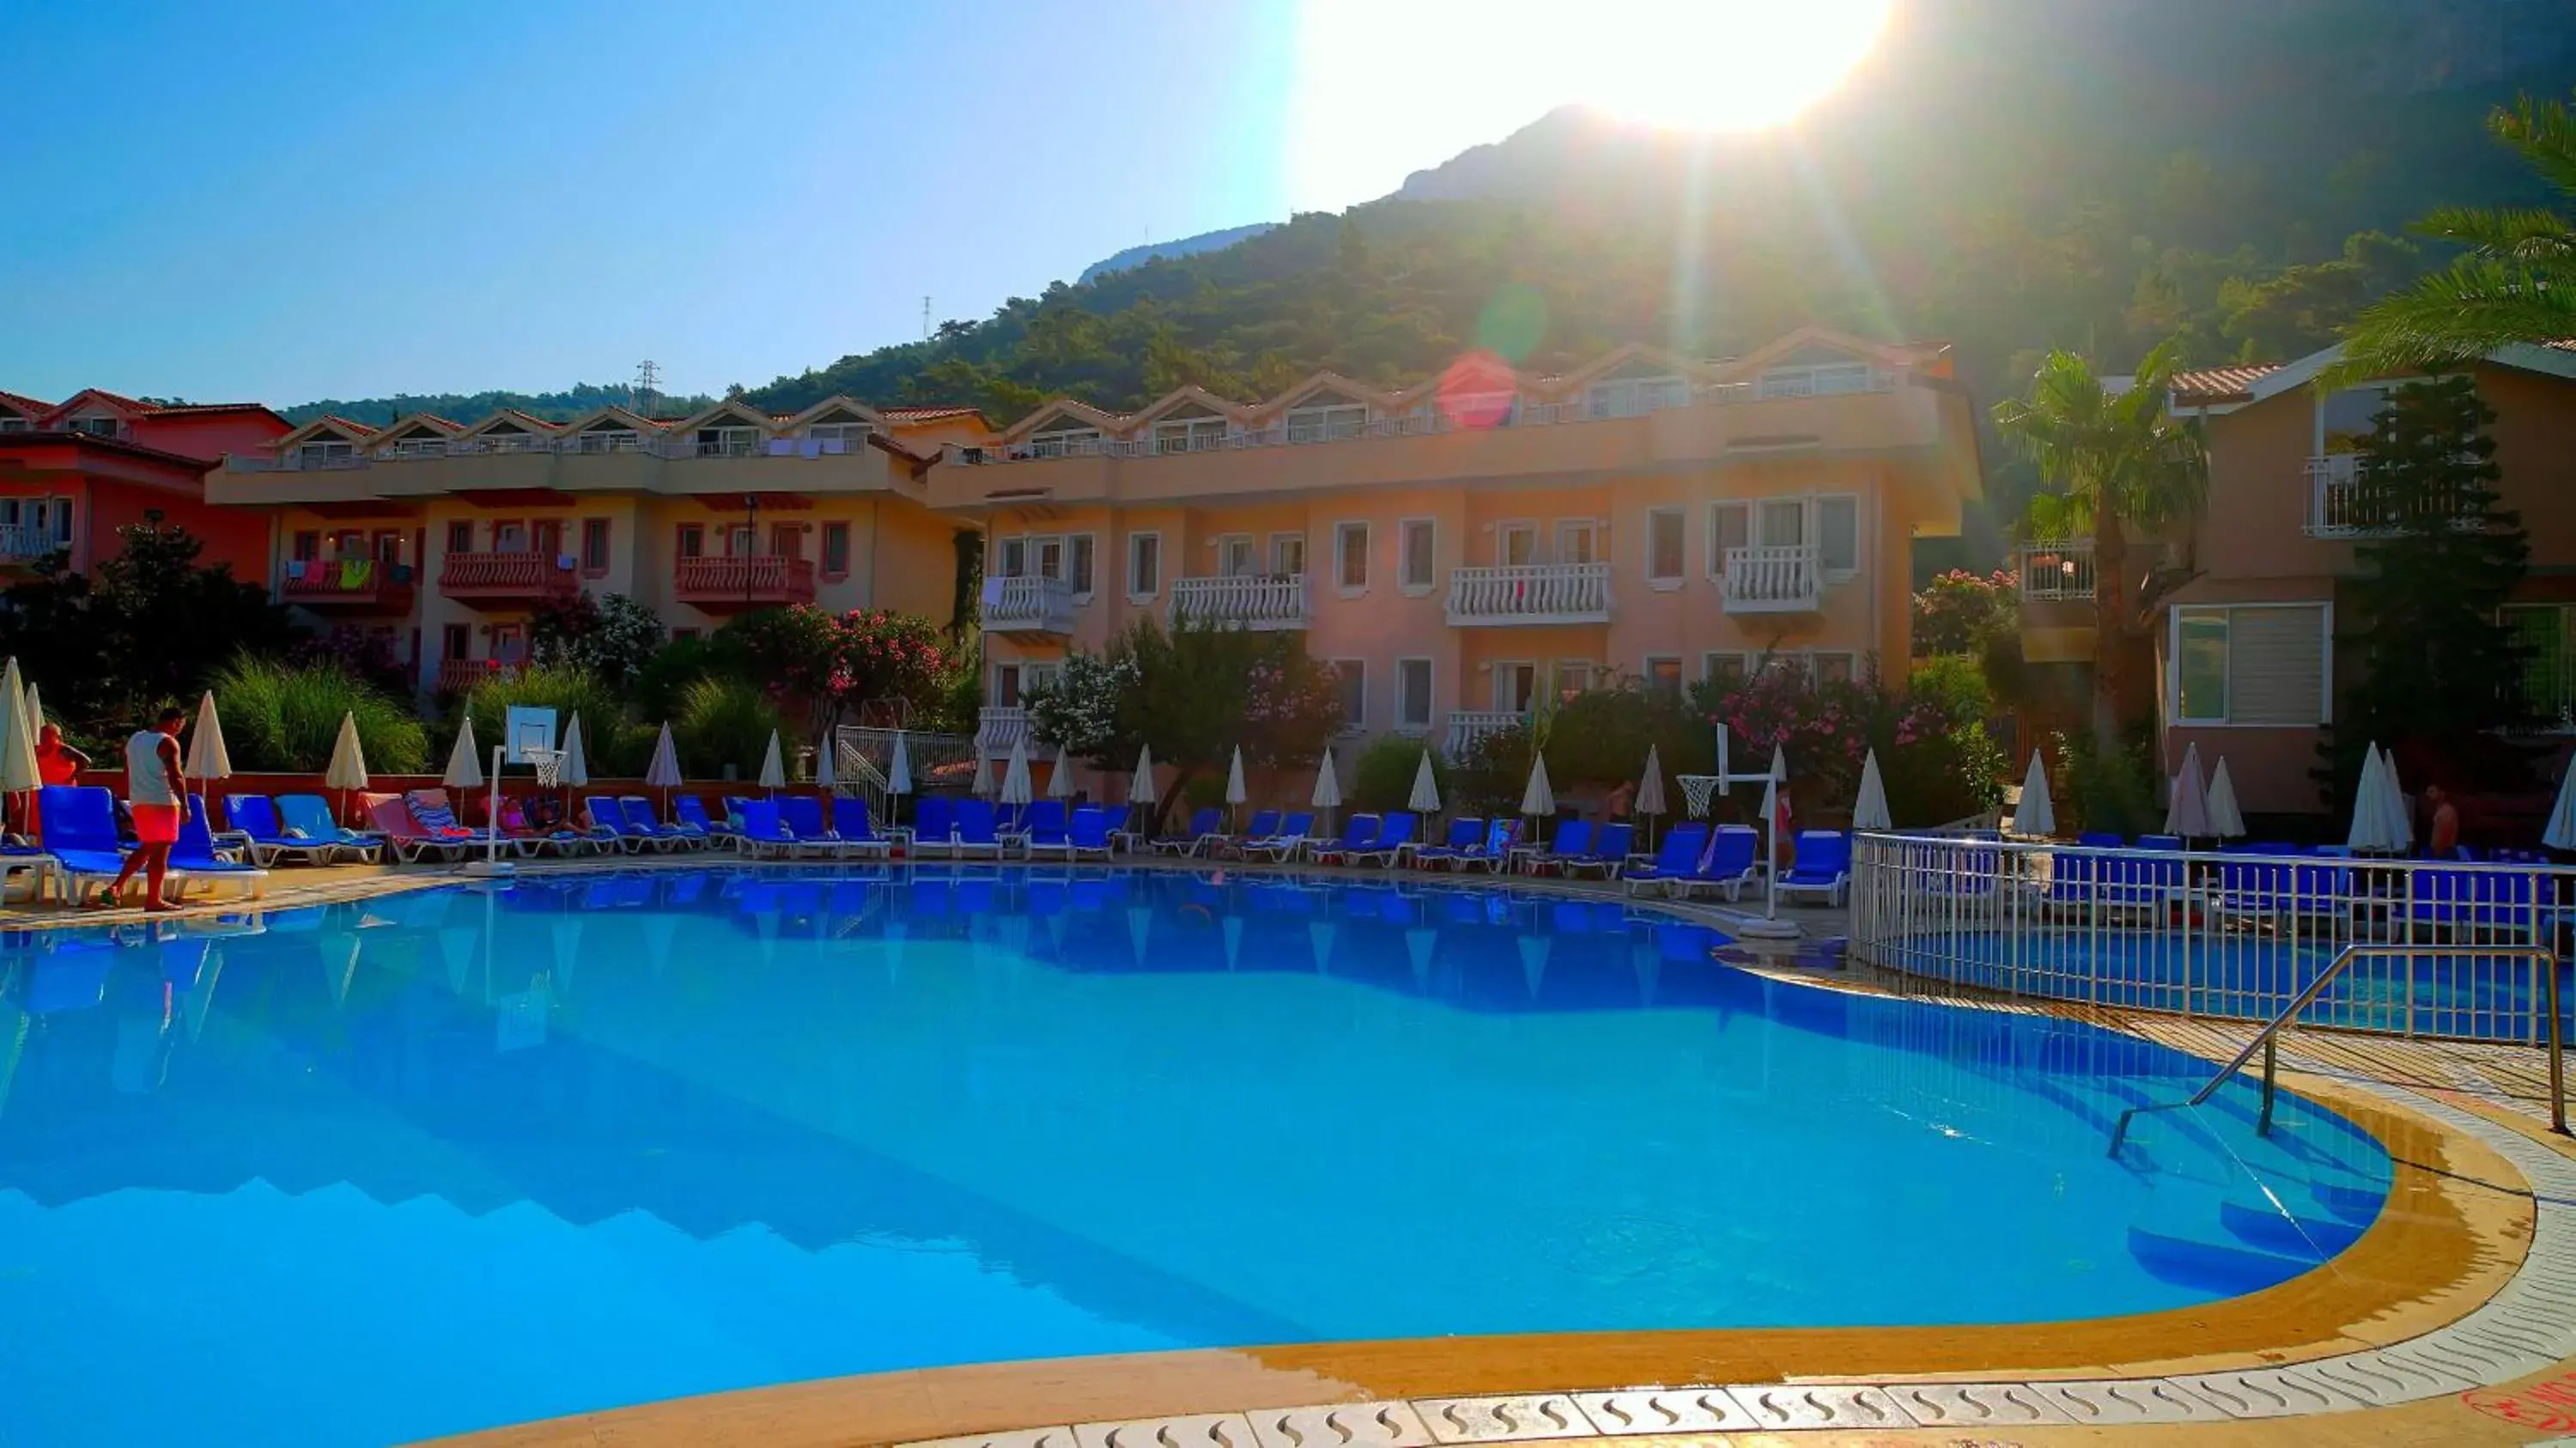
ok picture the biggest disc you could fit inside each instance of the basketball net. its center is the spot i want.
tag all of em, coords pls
(1696, 789)
(549, 765)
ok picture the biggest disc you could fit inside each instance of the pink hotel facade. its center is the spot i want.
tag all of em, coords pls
(1453, 548)
(1456, 547)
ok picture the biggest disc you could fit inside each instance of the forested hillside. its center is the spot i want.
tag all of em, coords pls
(573, 401)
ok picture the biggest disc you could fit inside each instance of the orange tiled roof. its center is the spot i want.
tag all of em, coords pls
(27, 405)
(2221, 384)
(928, 413)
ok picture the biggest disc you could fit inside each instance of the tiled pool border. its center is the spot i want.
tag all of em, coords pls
(2526, 1325)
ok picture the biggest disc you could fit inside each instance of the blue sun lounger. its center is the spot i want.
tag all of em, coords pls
(976, 831)
(308, 818)
(858, 832)
(1492, 852)
(1823, 866)
(1727, 864)
(255, 818)
(1286, 841)
(1090, 834)
(1464, 835)
(1394, 840)
(1570, 845)
(691, 812)
(1201, 834)
(194, 857)
(1607, 854)
(1357, 833)
(1677, 859)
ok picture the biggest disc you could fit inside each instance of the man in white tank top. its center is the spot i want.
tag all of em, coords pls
(158, 800)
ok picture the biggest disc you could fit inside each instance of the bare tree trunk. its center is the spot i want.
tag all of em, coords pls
(2110, 627)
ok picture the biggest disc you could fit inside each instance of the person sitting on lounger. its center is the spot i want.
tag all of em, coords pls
(156, 797)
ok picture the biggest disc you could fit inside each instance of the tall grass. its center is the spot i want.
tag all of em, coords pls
(724, 721)
(286, 718)
(610, 745)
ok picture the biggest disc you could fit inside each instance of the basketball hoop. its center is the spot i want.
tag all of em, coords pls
(549, 765)
(1696, 789)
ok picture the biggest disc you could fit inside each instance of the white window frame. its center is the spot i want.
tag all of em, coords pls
(1708, 664)
(1039, 544)
(1505, 528)
(1562, 531)
(1144, 595)
(1504, 669)
(731, 441)
(1354, 722)
(1430, 694)
(1063, 442)
(1816, 660)
(2173, 661)
(1765, 509)
(850, 436)
(1197, 434)
(1271, 554)
(1341, 553)
(1646, 672)
(1085, 542)
(1717, 508)
(1404, 552)
(1223, 542)
(1816, 530)
(1636, 396)
(1003, 567)
(1565, 668)
(1663, 583)
(1018, 691)
(324, 450)
(1325, 422)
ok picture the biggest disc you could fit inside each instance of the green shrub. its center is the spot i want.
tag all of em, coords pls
(280, 717)
(1204, 791)
(1382, 779)
(724, 722)
(2114, 792)
(610, 744)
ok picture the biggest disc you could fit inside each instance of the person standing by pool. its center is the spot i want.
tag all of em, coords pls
(56, 763)
(158, 801)
(2442, 840)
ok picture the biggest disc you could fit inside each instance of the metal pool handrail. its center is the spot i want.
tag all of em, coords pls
(2267, 1039)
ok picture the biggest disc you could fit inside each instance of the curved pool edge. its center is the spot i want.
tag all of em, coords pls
(2444, 1295)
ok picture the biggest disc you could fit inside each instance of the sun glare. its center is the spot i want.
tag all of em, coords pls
(1382, 89)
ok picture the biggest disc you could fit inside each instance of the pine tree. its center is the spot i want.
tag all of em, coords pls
(2440, 669)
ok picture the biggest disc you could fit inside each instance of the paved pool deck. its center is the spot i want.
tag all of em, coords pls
(2452, 1320)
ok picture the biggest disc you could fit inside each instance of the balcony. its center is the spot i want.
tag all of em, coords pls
(1529, 593)
(1256, 603)
(505, 580)
(734, 584)
(1783, 579)
(459, 676)
(996, 730)
(2344, 503)
(356, 586)
(29, 542)
(2057, 572)
(1028, 607)
(1467, 726)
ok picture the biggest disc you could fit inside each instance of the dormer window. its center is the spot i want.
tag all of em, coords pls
(608, 438)
(1827, 379)
(419, 445)
(96, 426)
(727, 442)
(325, 452)
(841, 437)
(14, 423)
(1637, 396)
(1326, 420)
(1196, 434)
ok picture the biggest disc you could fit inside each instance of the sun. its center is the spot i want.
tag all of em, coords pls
(1727, 65)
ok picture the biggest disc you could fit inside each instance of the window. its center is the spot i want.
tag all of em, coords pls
(1515, 544)
(1573, 677)
(509, 537)
(454, 641)
(1050, 556)
(836, 550)
(14, 423)
(2544, 631)
(388, 548)
(1351, 675)
(1832, 668)
(1413, 695)
(1577, 540)
(1416, 541)
(1287, 554)
(95, 426)
(1014, 557)
(308, 546)
(1234, 555)
(1326, 423)
(1838, 535)
(1664, 548)
(728, 442)
(1722, 669)
(1828, 380)
(323, 454)
(2250, 664)
(1636, 396)
(594, 546)
(840, 437)
(1078, 563)
(1350, 556)
(460, 537)
(1144, 564)
(1514, 686)
(693, 540)
(1784, 522)
(1664, 675)
(1730, 526)
(1199, 434)
(1006, 686)
(1064, 442)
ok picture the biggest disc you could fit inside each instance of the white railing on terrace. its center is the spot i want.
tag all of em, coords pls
(27, 541)
(2343, 504)
(1530, 593)
(2231, 935)
(1788, 578)
(2057, 571)
(1252, 602)
(1527, 414)
(1028, 604)
(670, 449)
(996, 730)
(1466, 726)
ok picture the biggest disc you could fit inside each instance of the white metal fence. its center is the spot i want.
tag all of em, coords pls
(2233, 935)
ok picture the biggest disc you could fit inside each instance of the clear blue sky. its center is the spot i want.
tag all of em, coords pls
(271, 201)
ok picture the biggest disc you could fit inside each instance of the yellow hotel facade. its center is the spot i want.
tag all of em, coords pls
(1452, 549)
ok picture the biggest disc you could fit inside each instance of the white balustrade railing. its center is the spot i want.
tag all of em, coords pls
(675, 449)
(2231, 935)
(26, 541)
(2343, 504)
(2057, 571)
(1466, 726)
(1530, 593)
(1028, 604)
(1787, 578)
(1253, 602)
(996, 730)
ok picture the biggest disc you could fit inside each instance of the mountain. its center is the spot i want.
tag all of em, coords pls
(1187, 246)
(575, 401)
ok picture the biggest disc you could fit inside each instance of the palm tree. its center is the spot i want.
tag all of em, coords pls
(2110, 462)
(2515, 280)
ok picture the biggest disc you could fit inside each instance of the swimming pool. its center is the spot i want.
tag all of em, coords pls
(462, 1157)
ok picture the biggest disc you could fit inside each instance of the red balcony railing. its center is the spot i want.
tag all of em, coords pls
(760, 580)
(459, 676)
(332, 587)
(505, 578)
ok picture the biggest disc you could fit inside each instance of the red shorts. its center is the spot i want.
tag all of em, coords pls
(156, 824)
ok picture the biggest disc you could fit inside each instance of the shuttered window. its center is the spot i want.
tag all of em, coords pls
(2250, 665)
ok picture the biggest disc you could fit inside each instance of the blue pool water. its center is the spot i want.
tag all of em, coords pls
(463, 1157)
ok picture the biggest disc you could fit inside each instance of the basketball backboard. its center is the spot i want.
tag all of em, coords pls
(528, 728)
